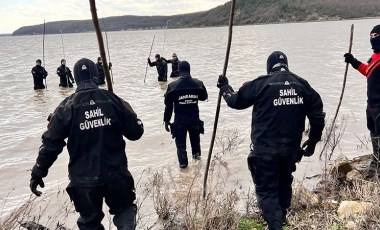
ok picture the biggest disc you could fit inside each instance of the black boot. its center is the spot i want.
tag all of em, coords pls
(374, 165)
(126, 220)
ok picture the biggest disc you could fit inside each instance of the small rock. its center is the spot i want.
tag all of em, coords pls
(351, 225)
(304, 196)
(352, 209)
(354, 175)
(330, 204)
(341, 167)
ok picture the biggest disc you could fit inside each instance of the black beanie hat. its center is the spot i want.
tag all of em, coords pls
(275, 60)
(184, 68)
(157, 56)
(62, 60)
(375, 42)
(39, 61)
(376, 29)
(85, 70)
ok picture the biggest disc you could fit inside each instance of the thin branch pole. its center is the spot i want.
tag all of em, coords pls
(150, 52)
(108, 50)
(341, 97)
(163, 46)
(64, 57)
(43, 54)
(95, 20)
(231, 22)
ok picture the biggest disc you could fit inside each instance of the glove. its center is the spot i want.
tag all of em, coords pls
(37, 174)
(167, 126)
(33, 186)
(110, 65)
(309, 147)
(348, 58)
(148, 59)
(222, 81)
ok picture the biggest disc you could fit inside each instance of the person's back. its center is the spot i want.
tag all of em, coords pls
(281, 101)
(97, 121)
(94, 122)
(183, 95)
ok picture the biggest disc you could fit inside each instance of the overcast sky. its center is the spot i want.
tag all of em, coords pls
(17, 13)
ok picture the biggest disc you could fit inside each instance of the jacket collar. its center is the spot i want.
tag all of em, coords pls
(186, 75)
(84, 85)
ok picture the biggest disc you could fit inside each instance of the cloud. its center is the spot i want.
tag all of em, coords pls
(17, 13)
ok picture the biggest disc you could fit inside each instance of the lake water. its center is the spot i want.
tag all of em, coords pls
(315, 52)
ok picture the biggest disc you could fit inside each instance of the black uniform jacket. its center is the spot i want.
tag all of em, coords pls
(64, 72)
(101, 76)
(162, 67)
(39, 73)
(184, 94)
(281, 101)
(94, 121)
(175, 64)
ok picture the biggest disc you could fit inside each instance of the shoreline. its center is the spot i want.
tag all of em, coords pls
(327, 19)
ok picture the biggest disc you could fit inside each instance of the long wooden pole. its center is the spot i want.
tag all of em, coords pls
(108, 50)
(43, 54)
(341, 97)
(64, 57)
(231, 22)
(95, 20)
(163, 46)
(150, 52)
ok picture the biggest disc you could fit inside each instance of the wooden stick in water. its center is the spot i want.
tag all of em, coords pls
(95, 20)
(231, 22)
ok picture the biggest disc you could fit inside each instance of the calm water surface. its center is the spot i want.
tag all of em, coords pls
(315, 52)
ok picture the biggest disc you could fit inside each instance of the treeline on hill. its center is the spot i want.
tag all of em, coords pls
(247, 12)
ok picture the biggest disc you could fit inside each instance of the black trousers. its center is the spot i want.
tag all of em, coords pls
(180, 134)
(63, 82)
(119, 197)
(373, 124)
(162, 78)
(38, 83)
(174, 74)
(273, 179)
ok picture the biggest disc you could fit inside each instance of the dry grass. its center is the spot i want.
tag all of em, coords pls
(40, 213)
(178, 203)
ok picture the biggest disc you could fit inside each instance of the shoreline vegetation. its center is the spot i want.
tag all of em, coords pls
(345, 197)
(248, 12)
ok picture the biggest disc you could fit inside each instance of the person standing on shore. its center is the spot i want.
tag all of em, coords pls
(94, 122)
(371, 71)
(281, 102)
(39, 74)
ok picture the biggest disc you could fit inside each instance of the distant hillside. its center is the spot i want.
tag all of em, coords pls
(247, 12)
